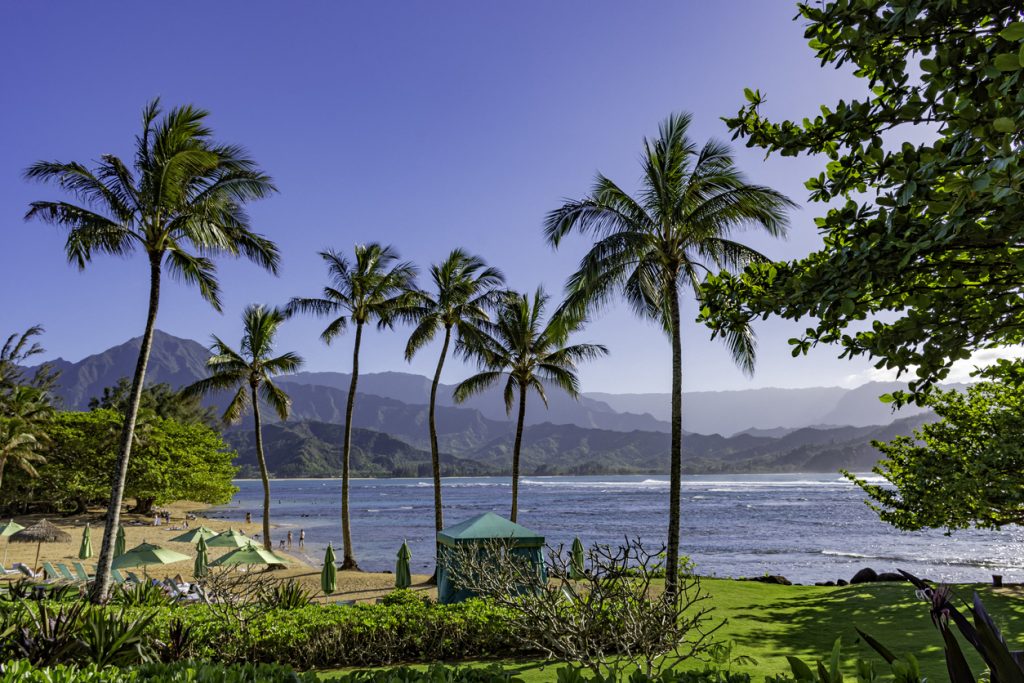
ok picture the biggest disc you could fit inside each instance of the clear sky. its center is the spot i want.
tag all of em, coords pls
(428, 125)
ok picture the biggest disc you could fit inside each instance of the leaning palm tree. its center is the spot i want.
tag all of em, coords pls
(678, 228)
(180, 201)
(249, 373)
(522, 349)
(373, 288)
(463, 288)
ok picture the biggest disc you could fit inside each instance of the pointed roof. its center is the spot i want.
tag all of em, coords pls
(489, 526)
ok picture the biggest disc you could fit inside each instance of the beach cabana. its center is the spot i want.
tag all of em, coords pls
(480, 530)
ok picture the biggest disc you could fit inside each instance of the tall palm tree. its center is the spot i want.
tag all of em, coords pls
(22, 436)
(525, 351)
(249, 372)
(463, 288)
(373, 288)
(679, 227)
(180, 201)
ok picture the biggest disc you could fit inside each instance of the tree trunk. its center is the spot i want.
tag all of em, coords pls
(144, 506)
(676, 455)
(101, 587)
(435, 451)
(349, 558)
(3, 463)
(515, 452)
(268, 543)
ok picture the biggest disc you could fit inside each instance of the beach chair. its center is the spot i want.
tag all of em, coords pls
(115, 574)
(49, 573)
(65, 573)
(82, 574)
(27, 571)
(4, 570)
(134, 578)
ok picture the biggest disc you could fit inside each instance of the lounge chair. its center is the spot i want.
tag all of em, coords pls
(5, 570)
(65, 573)
(133, 578)
(49, 573)
(27, 571)
(115, 574)
(82, 574)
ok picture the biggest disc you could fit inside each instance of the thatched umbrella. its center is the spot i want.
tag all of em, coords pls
(40, 533)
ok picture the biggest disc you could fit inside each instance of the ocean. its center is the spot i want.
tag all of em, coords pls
(806, 527)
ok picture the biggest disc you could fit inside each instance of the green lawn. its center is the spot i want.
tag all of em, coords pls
(768, 622)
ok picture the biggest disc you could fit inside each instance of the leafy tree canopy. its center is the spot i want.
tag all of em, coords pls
(922, 260)
(967, 469)
(158, 399)
(172, 461)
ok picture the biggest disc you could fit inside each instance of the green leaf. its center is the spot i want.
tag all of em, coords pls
(1014, 31)
(1007, 61)
(751, 96)
(1004, 124)
(886, 398)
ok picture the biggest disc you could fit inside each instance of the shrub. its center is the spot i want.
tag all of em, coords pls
(287, 595)
(22, 671)
(140, 595)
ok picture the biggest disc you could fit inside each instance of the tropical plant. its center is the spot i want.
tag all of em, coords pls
(249, 373)
(111, 638)
(160, 400)
(525, 351)
(180, 202)
(22, 436)
(14, 354)
(48, 636)
(679, 227)
(375, 287)
(178, 643)
(143, 594)
(463, 289)
(287, 595)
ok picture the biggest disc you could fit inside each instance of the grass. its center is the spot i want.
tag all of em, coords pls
(768, 622)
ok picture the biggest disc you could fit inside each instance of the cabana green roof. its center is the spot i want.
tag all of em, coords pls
(489, 526)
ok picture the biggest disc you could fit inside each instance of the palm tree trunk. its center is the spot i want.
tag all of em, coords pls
(101, 587)
(349, 559)
(515, 453)
(268, 543)
(435, 451)
(3, 463)
(676, 455)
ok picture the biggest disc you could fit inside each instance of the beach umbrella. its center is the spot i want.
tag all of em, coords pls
(403, 577)
(248, 554)
(119, 542)
(39, 533)
(6, 530)
(194, 535)
(229, 539)
(576, 560)
(199, 570)
(329, 574)
(85, 551)
(146, 554)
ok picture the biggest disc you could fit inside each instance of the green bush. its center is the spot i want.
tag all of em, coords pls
(21, 671)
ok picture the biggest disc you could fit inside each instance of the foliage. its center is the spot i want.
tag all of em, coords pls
(159, 399)
(436, 673)
(21, 671)
(177, 644)
(111, 638)
(287, 595)
(46, 636)
(145, 594)
(903, 669)
(173, 461)
(922, 258)
(682, 224)
(964, 469)
(610, 620)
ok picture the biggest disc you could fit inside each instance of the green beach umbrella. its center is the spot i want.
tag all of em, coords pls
(119, 542)
(576, 560)
(6, 530)
(199, 569)
(146, 554)
(329, 574)
(248, 554)
(85, 551)
(403, 577)
(195, 535)
(229, 539)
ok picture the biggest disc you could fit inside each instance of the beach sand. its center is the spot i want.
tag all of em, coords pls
(359, 586)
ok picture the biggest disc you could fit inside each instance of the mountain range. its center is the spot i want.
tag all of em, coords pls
(815, 429)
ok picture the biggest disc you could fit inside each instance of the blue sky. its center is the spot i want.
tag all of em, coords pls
(426, 125)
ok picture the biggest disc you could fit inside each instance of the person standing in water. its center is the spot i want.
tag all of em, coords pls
(289, 539)
(302, 538)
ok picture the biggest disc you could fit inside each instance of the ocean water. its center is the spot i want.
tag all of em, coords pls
(807, 527)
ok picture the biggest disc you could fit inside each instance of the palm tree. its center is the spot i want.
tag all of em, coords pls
(22, 437)
(249, 373)
(527, 352)
(679, 227)
(463, 289)
(373, 288)
(181, 201)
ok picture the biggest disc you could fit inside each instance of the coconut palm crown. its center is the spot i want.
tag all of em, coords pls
(180, 201)
(249, 373)
(463, 288)
(525, 352)
(679, 227)
(374, 288)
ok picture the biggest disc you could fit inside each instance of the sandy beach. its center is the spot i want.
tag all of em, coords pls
(358, 586)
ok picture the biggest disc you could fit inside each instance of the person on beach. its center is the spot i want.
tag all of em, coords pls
(248, 518)
(302, 538)
(289, 539)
